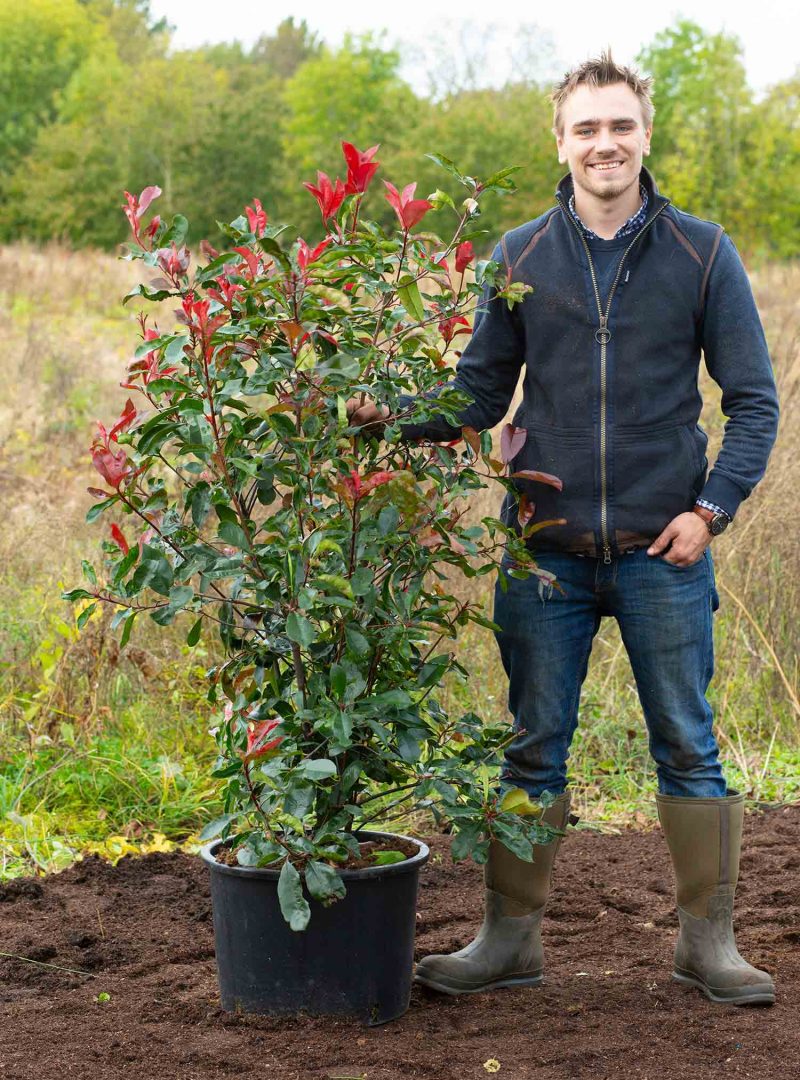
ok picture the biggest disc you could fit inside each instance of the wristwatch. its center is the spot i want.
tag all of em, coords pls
(716, 521)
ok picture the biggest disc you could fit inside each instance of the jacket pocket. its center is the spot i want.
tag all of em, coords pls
(569, 455)
(654, 473)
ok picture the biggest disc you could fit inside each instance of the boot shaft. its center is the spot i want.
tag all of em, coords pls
(527, 884)
(704, 837)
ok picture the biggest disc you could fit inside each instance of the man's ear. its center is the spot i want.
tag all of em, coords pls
(562, 154)
(647, 136)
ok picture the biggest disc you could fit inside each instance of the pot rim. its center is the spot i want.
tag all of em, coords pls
(373, 873)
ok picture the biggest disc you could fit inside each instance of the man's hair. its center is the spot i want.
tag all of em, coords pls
(602, 72)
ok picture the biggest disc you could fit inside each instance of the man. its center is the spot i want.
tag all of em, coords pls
(627, 292)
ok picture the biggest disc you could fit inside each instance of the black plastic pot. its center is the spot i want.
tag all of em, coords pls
(354, 959)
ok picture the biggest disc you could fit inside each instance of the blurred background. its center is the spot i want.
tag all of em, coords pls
(108, 750)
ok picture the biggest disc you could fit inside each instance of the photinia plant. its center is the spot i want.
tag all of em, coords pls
(319, 555)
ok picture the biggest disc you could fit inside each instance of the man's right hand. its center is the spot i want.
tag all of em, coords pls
(371, 417)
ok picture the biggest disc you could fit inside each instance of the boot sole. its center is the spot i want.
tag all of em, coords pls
(498, 984)
(753, 996)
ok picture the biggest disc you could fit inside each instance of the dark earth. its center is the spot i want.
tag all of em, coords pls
(608, 1008)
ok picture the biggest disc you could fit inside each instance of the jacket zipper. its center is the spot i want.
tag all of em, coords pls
(603, 335)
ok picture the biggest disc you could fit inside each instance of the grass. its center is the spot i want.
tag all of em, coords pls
(108, 751)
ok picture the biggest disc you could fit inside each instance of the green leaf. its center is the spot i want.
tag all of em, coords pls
(127, 628)
(481, 620)
(88, 572)
(386, 858)
(464, 841)
(517, 801)
(347, 367)
(153, 571)
(336, 583)
(356, 641)
(388, 520)
(300, 629)
(324, 883)
(199, 501)
(408, 291)
(499, 181)
(215, 827)
(179, 597)
(176, 233)
(233, 534)
(338, 680)
(94, 512)
(317, 769)
(440, 198)
(77, 594)
(448, 165)
(391, 699)
(85, 615)
(193, 636)
(294, 906)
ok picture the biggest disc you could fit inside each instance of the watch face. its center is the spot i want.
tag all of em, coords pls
(718, 524)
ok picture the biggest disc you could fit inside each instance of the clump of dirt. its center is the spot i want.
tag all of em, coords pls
(141, 933)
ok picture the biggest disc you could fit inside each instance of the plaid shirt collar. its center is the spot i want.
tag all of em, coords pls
(632, 225)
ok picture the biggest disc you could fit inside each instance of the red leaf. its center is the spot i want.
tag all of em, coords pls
(127, 417)
(511, 442)
(258, 741)
(119, 539)
(472, 438)
(541, 477)
(250, 258)
(146, 198)
(526, 510)
(464, 256)
(375, 479)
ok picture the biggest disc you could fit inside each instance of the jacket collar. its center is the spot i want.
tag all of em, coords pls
(655, 204)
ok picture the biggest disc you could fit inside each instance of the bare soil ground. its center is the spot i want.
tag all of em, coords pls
(608, 1007)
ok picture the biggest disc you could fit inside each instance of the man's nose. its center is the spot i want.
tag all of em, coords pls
(606, 140)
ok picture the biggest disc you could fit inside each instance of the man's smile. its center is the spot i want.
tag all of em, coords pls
(604, 166)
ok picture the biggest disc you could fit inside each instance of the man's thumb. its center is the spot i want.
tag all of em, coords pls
(660, 542)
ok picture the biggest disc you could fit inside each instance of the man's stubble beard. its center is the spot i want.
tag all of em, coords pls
(607, 192)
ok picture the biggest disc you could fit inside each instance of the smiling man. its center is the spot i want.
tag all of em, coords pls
(628, 293)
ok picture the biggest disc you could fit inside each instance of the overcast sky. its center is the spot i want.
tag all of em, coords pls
(768, 29)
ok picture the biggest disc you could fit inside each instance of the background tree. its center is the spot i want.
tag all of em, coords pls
(703, 115)
(44, 42)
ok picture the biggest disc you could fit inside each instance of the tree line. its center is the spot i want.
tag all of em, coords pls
(93, 100)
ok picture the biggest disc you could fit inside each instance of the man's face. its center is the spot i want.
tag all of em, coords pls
(603, 139)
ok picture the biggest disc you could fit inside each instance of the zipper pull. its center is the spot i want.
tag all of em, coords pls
(606, 553)
(627, 276)
(602, 334)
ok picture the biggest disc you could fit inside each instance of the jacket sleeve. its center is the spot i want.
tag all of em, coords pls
(738, 360)
(487, 370)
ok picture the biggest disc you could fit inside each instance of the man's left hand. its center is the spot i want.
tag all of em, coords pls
(684, 540)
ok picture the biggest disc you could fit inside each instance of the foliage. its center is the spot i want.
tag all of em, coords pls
(315, 553)
(44, 42)
(216, 125)
(112, 709)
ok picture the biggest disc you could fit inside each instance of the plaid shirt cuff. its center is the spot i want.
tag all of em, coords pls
(712, 507)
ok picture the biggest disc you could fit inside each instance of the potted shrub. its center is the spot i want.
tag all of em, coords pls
(246, 505)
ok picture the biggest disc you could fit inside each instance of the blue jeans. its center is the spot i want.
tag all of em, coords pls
(665, 619)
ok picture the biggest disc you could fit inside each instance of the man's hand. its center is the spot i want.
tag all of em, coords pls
(368, 415)
(686, 536)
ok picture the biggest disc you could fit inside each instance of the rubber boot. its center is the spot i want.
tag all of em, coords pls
(508, 949)
(704, 838)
